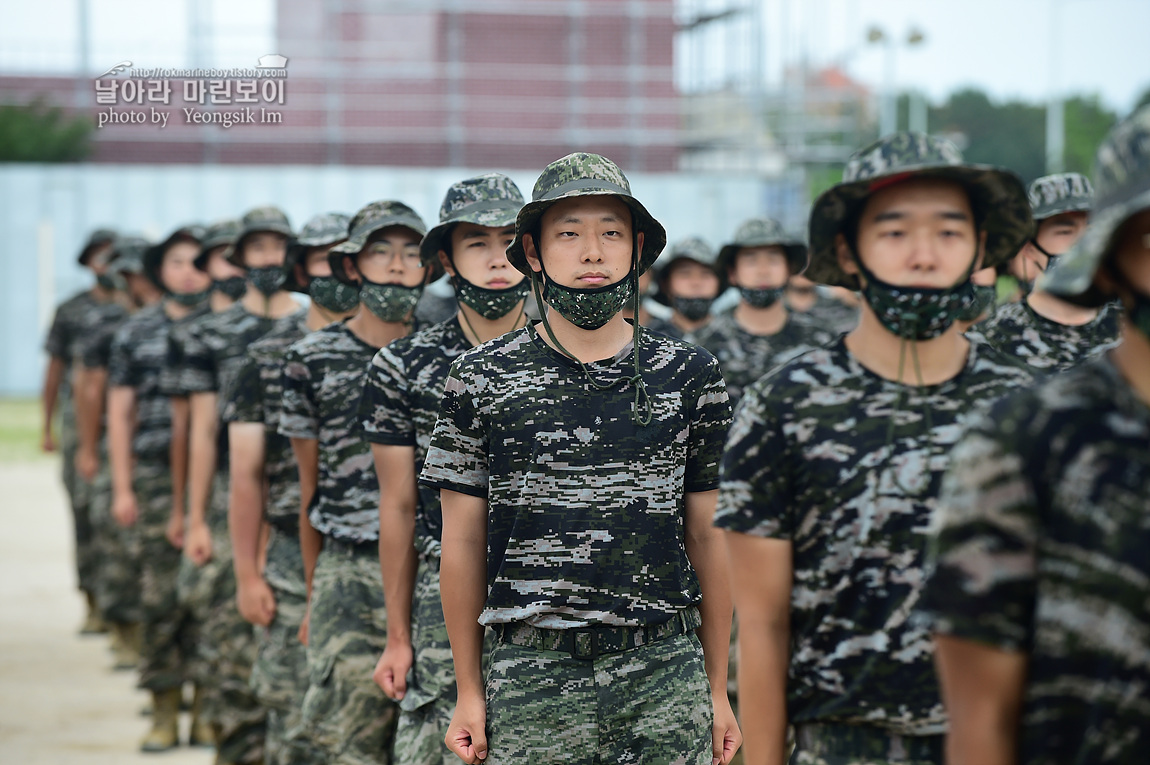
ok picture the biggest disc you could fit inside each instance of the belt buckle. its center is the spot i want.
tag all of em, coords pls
(576, 653)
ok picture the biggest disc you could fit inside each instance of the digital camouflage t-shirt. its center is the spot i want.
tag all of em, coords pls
(139, 353)
(1018, 331)
(585, 507)
(213, 348)
(745, 357)
(255, 395)
(846, 466)
(67, 329)
(401, 403)
(323, 381)
(1043, 546)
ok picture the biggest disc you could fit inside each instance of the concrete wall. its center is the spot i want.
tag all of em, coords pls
(46, 212)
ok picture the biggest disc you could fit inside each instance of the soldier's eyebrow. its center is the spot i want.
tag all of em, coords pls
(576, 220)
(896, 215)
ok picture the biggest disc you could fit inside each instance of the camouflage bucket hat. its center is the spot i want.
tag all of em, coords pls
(128, 254)
(1122, 184)
(764, 232)
(258, 221)
(321, 231)
(219, 233)
(691, 248)
(485, 200)
(1053, 195)
(997, 196)
(371, 218)
(578, 175)
(154, 255)
(97, 239)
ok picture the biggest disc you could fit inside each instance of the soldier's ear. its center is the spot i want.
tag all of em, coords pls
(446, 263)
(530, 253)
(843, 256)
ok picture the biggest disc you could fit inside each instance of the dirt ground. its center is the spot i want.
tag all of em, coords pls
(60, 703)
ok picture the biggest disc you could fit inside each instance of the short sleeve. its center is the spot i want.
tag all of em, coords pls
(243, 396)
(755, 489)
(96, 350)
(982, 554)
(56, 344)
(385, 406)
(299, 417)
(457, 459)
(120, 368)
(197, 372)
(710, 421)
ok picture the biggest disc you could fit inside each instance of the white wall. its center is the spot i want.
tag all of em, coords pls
(47, 211)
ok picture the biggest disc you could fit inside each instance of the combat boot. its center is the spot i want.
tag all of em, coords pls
(201, 733)
(125, 645)
(94, 623)
(165, 732)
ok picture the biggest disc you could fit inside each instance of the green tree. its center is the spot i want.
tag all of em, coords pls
(1012, 134)
(1087, 122)
(40, 133)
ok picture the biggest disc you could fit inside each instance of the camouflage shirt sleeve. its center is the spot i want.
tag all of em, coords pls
(982, 560)
(457, 458)
(242, 397)
(96, 350)
(755, 494)
(197, 372)
(121, 371)
(385, 408)
(709, 424)
(299, 417)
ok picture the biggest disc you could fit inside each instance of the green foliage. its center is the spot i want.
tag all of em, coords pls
(39, 133)
(1087, 122)
(1010, 135)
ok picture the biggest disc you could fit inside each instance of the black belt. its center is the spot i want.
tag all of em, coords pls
(598, 640)
(348, 547)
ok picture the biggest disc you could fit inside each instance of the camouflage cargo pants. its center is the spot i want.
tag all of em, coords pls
(79, 497)
(647, 704)
(117, 580)
(344, 711)
(228, 647)
(426, 708)
(279, 676)
(833, 744)
(170, 634)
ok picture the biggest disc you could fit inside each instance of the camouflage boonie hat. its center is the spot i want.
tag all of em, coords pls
(371, 218)
(320, 231)
(154, 255)
(258, 221)
(1053, 195)
(691, 248)
(578, 175)
(1122, 186)
(997, 197)
(485, 200)
(128, 254)
(97, 239)
(219, 233)
(764, 232)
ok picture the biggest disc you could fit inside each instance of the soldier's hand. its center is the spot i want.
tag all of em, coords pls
(467, 734)
(124, 509)
(198, 543)
(47, 443)
(175, 530)
(256, 601)
(726, 738)
(87, 463)
(302, 634)
(391, 670)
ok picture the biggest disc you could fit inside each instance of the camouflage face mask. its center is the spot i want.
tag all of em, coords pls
(488, 303)
(588, 308)
(389, 302)
(693, 309)
(233, 287)
(916, 313)
(332, 295)
(764, 298)
(106, 282)
(190, 299)
(984, 299)
(267, 279)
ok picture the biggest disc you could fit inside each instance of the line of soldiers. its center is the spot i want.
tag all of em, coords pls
(422, 533)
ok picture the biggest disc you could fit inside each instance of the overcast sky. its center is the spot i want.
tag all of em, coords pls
(1010, 48)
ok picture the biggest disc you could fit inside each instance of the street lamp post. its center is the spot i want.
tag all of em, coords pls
(888, 113)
